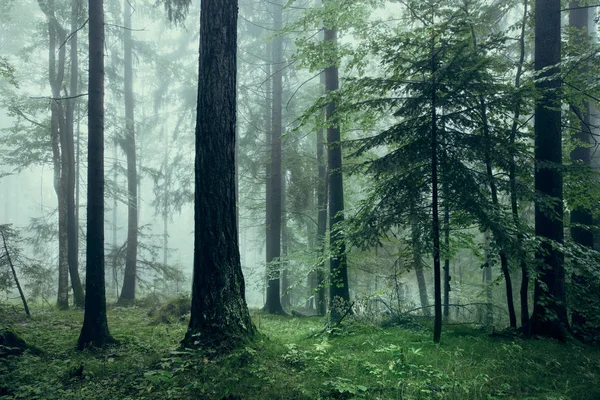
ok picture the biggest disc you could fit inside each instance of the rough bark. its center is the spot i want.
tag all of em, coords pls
(339, 293)
(130, 276)
(273, 251)
(549, 316)
(219, 315)
(447, 277)
(582, 219)
(95, 326)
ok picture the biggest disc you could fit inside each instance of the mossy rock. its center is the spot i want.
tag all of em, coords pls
(173, 311)
(11, 344)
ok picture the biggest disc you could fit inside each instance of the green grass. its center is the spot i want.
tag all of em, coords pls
(292, 359)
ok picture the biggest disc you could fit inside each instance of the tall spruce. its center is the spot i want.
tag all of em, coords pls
(95, 325)
(339, 293)
(130, 276)
(549, 316)
(274, 193)
(219, 315)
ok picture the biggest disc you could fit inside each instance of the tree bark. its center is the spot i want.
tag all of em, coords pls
(549, 316)
(582, 219)
(512, 176)
(95, 326)
(435, 219)
(418, 264)
(72, 215)
(219, 315)
(130, 276)
(339, 293)
(273, 302)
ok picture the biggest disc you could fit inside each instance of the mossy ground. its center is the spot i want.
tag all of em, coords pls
(292, 359)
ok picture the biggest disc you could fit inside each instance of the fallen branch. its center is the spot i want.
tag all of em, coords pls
(12, 267)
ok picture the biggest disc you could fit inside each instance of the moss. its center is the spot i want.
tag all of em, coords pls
(175, 310)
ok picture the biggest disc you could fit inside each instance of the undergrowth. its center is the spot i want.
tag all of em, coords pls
(293, 358)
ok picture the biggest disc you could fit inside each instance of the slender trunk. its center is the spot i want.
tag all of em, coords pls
(418, 264)
(273, 303)
(322, 199)
(446, 250)
(12, 268)
(95, 326)
(487, 284)
(549, 316)
(130, 276)
(286, 298)
(498, 235)
(435, 221)
(166, 200)
(72, 174)
(339, 293)
(512, 176)
(56, 72)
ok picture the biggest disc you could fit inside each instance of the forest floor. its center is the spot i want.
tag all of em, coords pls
(292, 359)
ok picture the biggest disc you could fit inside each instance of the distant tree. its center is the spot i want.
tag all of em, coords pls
(130, 277)
(95, 326)
(274, 194)
(219, 315)
(549, 316)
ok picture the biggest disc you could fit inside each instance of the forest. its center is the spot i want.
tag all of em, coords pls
(299, 199)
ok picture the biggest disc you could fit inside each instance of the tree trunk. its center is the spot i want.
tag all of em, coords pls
(130, 276)
(286, 298)
(582, 219)
(56, 73)
(339, 293)
(418, 265)
(550, 302)
(273, 302)
(487, 284)
(512, 176)
(219, 315)
(72, 215)
(446, 250)
(435, 219)
(95, 326)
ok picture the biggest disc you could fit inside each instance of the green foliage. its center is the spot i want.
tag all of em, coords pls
(287, 362)
(7, 71)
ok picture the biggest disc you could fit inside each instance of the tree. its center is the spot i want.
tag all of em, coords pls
(339, 293)
(549, 316)
(130, 277)
(95, 326)
(72, 172)
(274, 194)
(219, 315)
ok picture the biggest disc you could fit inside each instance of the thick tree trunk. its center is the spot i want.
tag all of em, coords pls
(339, 293)
(273, 302)
(95, 326)
(582, 219)
(219, 315)
(130, 276)
(550, 302)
